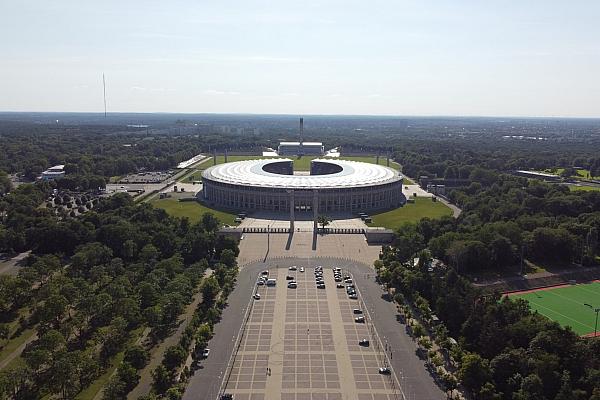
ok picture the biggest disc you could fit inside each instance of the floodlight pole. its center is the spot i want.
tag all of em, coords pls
(596, 310)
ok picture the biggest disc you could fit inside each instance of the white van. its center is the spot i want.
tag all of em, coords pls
(271, 282)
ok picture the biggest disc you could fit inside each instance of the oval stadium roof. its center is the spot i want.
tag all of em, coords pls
(251, 173)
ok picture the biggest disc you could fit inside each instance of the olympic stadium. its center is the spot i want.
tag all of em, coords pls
(331, 186)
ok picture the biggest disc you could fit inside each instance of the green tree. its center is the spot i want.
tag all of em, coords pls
(323, 220)
(174, 357)
(228, 258)
(449, 383)
(408, 242)
(474, 371)
(209, 288)
(137, 356)
(162, 379)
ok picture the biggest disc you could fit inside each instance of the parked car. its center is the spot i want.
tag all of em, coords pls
(385, 371)
(205, 353)
(265, 273)
(289, 278)
(292, 285)
(359, 320)
(260, 282)
(353, 296)
(340, 286)
(364, 342)
(257, 296)
(357, 311)
(321, 286)
(293, 268)
(301, 269)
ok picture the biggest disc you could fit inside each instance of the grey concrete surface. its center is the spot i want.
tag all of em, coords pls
(409, 369)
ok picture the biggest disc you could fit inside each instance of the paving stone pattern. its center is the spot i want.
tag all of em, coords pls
(308, 339)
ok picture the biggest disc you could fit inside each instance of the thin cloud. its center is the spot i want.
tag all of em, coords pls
(220, 92)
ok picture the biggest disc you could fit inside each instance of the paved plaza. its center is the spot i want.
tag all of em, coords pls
(261, 247)
(303, 344)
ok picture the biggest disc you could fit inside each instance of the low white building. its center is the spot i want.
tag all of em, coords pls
(300, 148)
(56, 172)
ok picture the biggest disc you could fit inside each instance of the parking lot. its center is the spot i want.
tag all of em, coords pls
(303, 343)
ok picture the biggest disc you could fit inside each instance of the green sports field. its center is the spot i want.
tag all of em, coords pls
(565, 305)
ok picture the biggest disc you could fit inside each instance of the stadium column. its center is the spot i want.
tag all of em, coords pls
(315, 209)
(292, 216)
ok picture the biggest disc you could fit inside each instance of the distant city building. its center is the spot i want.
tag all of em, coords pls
(301, 148)
(56, 172)
(250, 131)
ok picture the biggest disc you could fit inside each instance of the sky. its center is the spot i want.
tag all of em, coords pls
(369, 57)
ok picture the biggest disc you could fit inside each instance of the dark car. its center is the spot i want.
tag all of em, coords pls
(289, 278)
(363, 342)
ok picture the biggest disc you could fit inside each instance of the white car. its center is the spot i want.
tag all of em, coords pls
(205, 353)
(260, 282)
(293, 268)
(301, 269)
(257, 296)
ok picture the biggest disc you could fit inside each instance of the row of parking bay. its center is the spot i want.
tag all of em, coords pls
(310, 364)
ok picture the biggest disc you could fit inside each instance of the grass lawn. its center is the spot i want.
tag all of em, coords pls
(196, 176)
(91, 391)
(13, 344)
(423, 207)
(191, 209)
(584, 188)
(565, 305)
(580, 173)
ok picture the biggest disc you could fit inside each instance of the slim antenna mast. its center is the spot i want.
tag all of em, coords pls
(104, 90)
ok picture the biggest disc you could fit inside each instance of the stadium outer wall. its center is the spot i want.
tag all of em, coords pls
(266, 190)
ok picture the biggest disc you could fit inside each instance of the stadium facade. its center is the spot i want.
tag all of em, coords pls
(332, 186)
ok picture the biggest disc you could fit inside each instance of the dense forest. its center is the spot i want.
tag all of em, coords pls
(94, 283)
(503, 350)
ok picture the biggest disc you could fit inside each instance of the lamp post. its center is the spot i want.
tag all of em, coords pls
(596, 310)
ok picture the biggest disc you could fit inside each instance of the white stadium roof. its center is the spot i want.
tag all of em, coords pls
(251, 173)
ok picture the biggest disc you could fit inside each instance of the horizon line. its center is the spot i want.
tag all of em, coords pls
(100, 113)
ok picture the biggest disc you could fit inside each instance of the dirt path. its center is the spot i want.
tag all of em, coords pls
(11, 266)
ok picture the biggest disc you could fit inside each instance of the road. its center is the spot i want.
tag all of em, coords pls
(411, 372)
